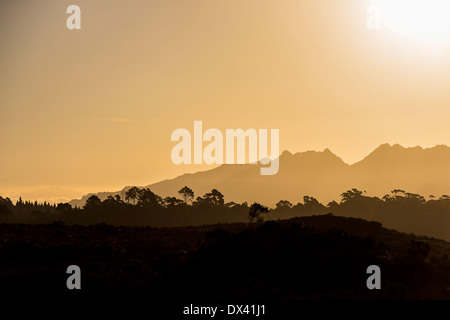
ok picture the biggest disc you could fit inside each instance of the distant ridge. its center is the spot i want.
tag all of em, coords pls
(322, 175)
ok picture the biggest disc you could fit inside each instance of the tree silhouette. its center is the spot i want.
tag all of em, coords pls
(256, 211)
(213, 198)
(5, 209)
(187, 194)
(62, 207)
(312, 205)
(283, 204)
(148, 199)
(351, 195)
(132, 194)
(112, 203)
(92, 203)
(19, 202)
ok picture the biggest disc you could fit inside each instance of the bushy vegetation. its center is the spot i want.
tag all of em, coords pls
(302, 258)
(399, 210)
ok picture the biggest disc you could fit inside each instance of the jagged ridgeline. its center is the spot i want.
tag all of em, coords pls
(322, 175)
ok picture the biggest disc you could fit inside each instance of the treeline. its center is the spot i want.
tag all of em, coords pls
(399, 210)
(140, 206)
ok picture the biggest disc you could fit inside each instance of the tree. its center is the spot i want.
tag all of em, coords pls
(351, 195)
(187, 194)
(111, 202)
(397, 194)
(63, 207)
(213, 198)
(415, 197)
(256, 211)
(332, 205)
(283, 204)
(92, 203)
(6, 207)
(19, 202)
(132, 194)
(6, 202)
(148, 199)
(172, 202)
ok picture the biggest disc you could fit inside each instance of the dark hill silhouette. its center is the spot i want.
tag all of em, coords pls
(303, 258)
(320, 174)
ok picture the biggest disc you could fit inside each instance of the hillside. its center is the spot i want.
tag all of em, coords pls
(303, 258)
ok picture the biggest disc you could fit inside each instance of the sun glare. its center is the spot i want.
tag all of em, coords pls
(425, 20)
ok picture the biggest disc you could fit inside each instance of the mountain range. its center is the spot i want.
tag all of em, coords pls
(322, 175)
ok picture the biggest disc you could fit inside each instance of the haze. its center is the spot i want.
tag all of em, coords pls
(93, 109)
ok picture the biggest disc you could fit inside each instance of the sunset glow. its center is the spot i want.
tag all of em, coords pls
(424, 20)
(93, 109)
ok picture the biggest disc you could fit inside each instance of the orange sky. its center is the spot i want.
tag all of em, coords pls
(93, 109)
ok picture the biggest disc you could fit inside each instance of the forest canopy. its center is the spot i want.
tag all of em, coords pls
(400, 210)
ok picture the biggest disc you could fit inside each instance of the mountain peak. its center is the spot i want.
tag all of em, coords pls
(387, 146)
(286, 153)
(385, 149)
(321, 174)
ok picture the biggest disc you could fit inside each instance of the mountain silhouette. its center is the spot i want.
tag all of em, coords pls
(322, 175)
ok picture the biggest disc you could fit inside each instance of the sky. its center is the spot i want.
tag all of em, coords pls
(93, 109)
